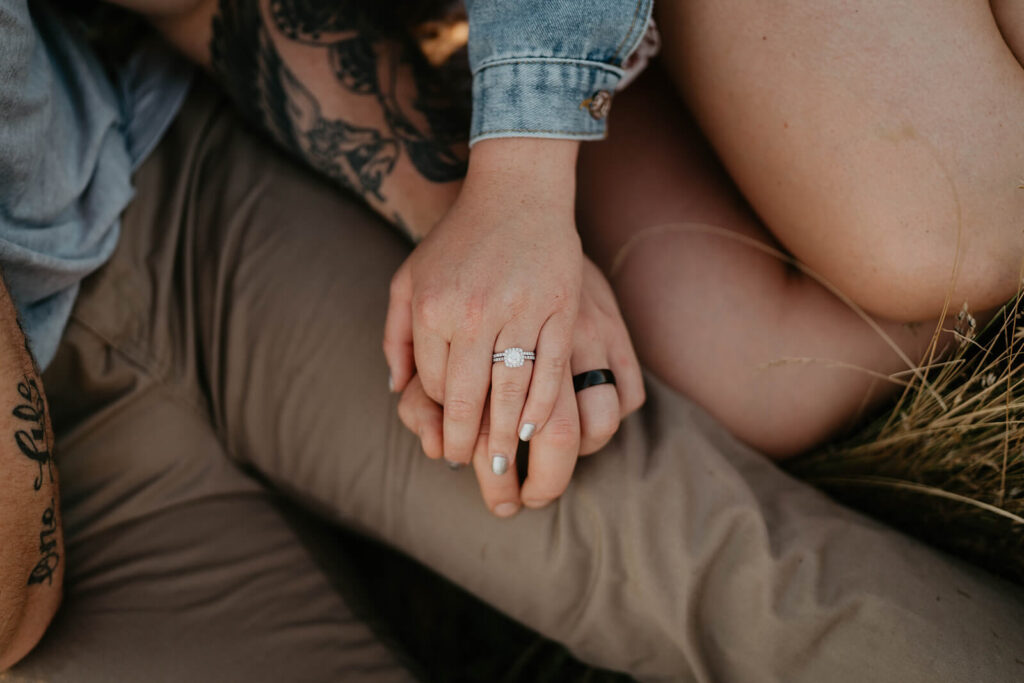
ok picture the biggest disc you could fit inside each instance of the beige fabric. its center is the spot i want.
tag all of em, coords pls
(242, 317)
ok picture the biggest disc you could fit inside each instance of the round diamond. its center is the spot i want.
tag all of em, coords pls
(514, 358)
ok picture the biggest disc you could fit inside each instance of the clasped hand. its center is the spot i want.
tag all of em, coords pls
(504, 269)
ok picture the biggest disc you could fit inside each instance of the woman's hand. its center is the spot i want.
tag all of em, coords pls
(502, 269)
(580, 424)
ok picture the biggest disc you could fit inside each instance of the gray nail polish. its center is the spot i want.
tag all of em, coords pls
(391, 383)
(453, 466)
(499, 464)
(526, 433)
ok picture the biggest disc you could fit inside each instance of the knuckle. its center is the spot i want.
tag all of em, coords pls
(560, 425)
(391, 342)
(507, 391)
(473, 310)
(460, 410)
(562, 432)
(428, 307)
(515, 304)
(557, 363)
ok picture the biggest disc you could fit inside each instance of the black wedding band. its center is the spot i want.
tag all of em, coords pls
(592, 378)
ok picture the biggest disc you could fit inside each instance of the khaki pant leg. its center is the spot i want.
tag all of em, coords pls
(676, 553)
(180, 566)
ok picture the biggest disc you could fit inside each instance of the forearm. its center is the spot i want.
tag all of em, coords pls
(31, 541)
(355, 102)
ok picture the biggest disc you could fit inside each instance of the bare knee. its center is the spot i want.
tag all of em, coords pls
(878, 158)
(906, 261)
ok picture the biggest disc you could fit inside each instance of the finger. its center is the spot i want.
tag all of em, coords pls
(422, 416)
(429, 344)
(500, 491)
(553, 451)
(598, 406)
(628, 375)
(431, 356)
(508, 395)
(466, 385)
(549, 373)
(398, 348)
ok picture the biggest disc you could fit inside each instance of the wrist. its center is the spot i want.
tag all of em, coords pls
(542, 171)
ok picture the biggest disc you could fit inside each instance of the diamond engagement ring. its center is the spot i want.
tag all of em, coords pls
(513, 357)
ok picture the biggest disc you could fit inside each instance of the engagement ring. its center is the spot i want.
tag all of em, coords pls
(514, 357)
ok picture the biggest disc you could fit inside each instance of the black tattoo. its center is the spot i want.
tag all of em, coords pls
(33, 441)
(317, 22)
(326, 143)
(366, 61)
(353, 65)
(50, 560)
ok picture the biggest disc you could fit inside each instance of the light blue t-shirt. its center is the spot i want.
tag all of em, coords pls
(70, 137)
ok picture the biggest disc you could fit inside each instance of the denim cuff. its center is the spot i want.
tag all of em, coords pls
(542, 97)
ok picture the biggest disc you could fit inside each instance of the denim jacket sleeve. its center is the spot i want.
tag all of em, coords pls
(547, 68)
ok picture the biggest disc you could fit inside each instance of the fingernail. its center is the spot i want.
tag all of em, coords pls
(526, 433)
(453, 466)
(534, 503)
(499, 464)
(506, 509)
(391, 383)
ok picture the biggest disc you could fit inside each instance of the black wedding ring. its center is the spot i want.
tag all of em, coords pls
(592, 378)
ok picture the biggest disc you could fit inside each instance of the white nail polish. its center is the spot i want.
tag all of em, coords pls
(499, 464)
(391, 383)
(526, 433)
(453, 466)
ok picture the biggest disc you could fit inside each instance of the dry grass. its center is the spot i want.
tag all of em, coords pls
(946, 461)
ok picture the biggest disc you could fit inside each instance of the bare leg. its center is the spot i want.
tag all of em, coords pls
(714, 316)
(878, 141)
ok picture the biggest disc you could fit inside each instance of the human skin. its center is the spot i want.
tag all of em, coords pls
(32, 567)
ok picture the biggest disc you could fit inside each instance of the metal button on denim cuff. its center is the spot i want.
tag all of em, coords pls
(600, 104)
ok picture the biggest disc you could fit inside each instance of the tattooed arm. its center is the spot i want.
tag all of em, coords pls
(340, 84)
(31, 542)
